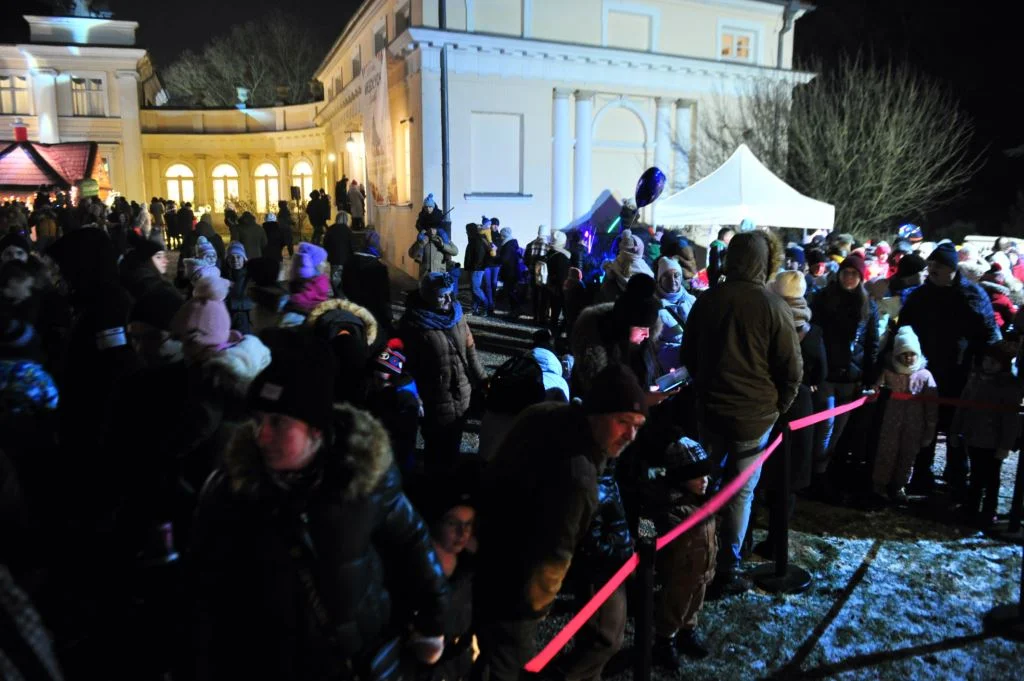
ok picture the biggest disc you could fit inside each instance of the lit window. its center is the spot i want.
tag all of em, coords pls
(267, 187)
(302, 177)
(87, 97)
(357, 63)
(380, 37)
(13, 94)
(737, 45)
(225, 186)
(180, 184)
(403, 19)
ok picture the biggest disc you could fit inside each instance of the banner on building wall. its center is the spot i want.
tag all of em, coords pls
(380, 148)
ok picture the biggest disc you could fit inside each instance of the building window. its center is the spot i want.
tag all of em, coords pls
(496, 149)
(13, 94)
(180, 184)
(403, 19)
(380, 36)
(357, 62)
(302, 177)
(267, 188)
(337, 84)
(225, 186)
(87, 96)
(737, 45)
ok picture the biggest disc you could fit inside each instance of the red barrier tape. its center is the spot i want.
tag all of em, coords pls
(587, 611)
(806, 421)
(955, 402)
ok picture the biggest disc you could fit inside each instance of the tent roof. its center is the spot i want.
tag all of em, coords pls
(742, 188)
(29, 166)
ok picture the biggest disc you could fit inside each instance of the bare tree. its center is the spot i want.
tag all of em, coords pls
(272, 58)
(883, 144)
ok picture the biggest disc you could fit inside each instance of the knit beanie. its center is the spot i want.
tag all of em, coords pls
(637, 305)
(270, 217)
(906, 341)
(146, 249)
(15, 240)
(205, 251)
(558, 239)
(196, 269)
(855, 263)
(910, 264)
(429, 202)
(792, 286)
(391, 359)
(685, 459)
(484, 221)
(307, 261)
(544, 231)
(299, 382)
(944, 253)
(263, 271)
(506, 233)
(157, 308)
(435, 284)
(666, 265)
(628, 243)
(615, 389)
(236, 248)
(203, 322)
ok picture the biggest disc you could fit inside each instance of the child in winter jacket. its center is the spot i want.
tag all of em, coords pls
(394, 399)
(685, 567)
(995, 285)
(988, 434)
(308, 285)
(238, 301)
(907, 426)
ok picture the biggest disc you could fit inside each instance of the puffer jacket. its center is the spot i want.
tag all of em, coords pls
(740, 345)
(371, 548)
(443, 361)
(433, 255)
(477, 250)
(851, 342)
(608, 542)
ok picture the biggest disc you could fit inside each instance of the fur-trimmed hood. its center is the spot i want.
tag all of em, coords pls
(235, 367)
(364, 315)
(354, 459)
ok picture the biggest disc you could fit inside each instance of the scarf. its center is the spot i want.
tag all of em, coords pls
(424, 318)
(801, 312)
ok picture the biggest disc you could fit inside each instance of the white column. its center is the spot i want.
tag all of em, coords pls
(683, 144)
(131, 133)
(203, 186)
(318, 170)
(582, 191)
(156, 185)
(44, 85)
(662, 141)
(283, 173)
(561, 148)
(244, 178)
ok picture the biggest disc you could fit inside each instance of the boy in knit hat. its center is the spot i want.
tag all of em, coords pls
(675, 490)
(394, 399)
(238, 301)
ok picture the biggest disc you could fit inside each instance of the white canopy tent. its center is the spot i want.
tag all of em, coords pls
(742, 188)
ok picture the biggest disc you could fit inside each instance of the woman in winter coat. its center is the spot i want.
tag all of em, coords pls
(442, 357)
(305, 544)
(675, 308)
(993, 283)
(477, 256)
(628, 262)
(275, 240)
(849, 319)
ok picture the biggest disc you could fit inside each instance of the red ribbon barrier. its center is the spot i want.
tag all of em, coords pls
(807, 421)
(955, 402)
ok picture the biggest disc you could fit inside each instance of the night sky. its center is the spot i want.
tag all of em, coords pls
(966, 45)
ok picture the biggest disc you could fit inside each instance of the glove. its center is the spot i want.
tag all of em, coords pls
(428, 649)
(422, 236)
(1001, 454)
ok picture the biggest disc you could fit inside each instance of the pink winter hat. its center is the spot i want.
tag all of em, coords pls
(307, 261)
(203, 323)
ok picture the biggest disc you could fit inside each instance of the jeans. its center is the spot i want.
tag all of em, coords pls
(732, 457)
(828, 432)
(482, 300)
(492, 281)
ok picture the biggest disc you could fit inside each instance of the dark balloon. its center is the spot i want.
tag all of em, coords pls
(650, 186)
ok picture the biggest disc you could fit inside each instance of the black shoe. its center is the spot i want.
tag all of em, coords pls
(664, 653)
(730, 584)
(688, 644)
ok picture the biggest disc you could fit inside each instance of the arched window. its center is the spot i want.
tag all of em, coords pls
(267, 187)
(225, 186)
(302, 177)
(180, 183)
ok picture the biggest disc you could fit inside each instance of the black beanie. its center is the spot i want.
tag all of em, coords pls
(638, 306)
(685, 460)
(157, 307)
(264, 271)
(945, 253)
(910, 264)
(300, 379)
(615, 389)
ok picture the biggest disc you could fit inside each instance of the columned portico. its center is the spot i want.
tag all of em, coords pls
(683, 145)
(582, 199)
(44, 83)
(561, 148)
(662, 140)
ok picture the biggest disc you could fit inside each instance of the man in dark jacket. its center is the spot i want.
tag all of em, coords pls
(537, 503)
(338, 244)
(251, 235)
(305, 544)
(477, 248)
(318, 214)
(953, 318)
(744, 355)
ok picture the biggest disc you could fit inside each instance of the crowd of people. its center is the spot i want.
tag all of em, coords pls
(248, 468)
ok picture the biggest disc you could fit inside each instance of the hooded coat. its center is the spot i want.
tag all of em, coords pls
(597, 341)
(252, 236)
(349, 528)
(740, 345)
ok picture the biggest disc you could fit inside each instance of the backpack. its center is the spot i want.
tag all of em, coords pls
(517, 384)
(540, 272)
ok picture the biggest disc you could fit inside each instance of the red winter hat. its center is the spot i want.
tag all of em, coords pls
(392, 358)
(856, 263)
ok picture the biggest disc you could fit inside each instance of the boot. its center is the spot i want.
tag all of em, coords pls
(690, 645)
(664, 653)
(729, 584)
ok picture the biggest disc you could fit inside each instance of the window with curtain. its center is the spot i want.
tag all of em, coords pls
(180, 181)
(13, 94)
(267, 187)
(302, 177)
(87, 97)
(403, 18)
(225, 186)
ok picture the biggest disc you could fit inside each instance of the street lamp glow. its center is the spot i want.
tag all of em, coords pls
(350, 145)
(331, 157)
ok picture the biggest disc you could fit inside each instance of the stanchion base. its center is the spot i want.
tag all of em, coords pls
(1001, 532)
(796, 580)
(1005, 621)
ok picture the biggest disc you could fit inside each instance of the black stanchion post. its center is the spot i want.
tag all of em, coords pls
(781, 577)
(643, 637)
(1011, 531)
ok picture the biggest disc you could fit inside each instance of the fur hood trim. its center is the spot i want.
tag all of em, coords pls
(359, 311)
(235, 367)
(355, 461)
